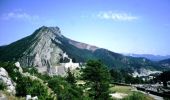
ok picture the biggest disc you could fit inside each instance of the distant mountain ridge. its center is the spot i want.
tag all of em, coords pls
(49, 51)
(150, 56)
(83, 45)
(165, 63)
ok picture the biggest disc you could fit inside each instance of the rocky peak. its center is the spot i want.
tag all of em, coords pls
(43, 52)
(48, 32)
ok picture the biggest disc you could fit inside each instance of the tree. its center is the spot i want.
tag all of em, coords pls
(164, 77)
(25, 85)
(97, 77)
(64, 90)
(116, 76)
(70, 77)
(74, 60)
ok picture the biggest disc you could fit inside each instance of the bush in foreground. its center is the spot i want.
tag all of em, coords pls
(138, 96)
(2, 86)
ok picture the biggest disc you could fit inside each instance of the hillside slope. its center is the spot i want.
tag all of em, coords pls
(165, 63)
(49, 51)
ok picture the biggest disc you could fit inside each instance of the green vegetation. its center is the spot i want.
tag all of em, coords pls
(131, 95)
(23, 47)
(11, 69)
(15, 50)
(138, 96)
(97, 76)
(70, 77)
(26, 85)
(121, 89)
(65, 90)
(164, 77)
(123, 77)
(111, 59)
(2, 86)
(11, 97)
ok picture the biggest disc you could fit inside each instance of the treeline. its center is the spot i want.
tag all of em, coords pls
(95, 78)
(164, 77)
(122, 76)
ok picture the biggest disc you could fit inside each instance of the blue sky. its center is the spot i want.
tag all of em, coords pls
(123, 26)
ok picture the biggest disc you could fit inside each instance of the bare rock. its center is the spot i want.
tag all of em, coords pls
(7, 81)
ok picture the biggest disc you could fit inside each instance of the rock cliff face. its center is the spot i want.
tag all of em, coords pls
(7, 81)
(46, 49)
(44, 54)
(144, 72)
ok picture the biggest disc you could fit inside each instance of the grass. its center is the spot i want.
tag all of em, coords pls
(121, 89)
(138, 96)
(132, 95)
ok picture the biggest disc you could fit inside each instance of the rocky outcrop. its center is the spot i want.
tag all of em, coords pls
(7, 81)
(28, 97)
(3, 96)
(17, 64)
(43, 53)
(144, 72)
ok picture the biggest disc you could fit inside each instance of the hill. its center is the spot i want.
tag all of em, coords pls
(150, 56)
(49, 51)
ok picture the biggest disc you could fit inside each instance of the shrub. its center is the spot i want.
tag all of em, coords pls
(65, 90)
(137, 96)
(26, 85)
(2, 86)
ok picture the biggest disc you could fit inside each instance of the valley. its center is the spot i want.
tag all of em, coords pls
(50, 60)
(84, 50)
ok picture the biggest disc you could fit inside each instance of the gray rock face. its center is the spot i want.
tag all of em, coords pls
(17, 64)
(83, 45)
(3, 97)
(43, 53)
(144, 72)
(7, 81)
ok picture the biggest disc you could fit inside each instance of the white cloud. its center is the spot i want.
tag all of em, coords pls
(20, 15)
(116, 16)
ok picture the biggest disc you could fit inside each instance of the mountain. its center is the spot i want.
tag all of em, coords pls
(165, 63)
(49, 51)
(150, 56)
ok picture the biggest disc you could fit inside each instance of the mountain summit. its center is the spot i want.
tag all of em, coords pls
(49, 51)
(45, 49)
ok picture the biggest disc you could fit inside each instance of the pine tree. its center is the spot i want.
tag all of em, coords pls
(97, 77)
(70, 77)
